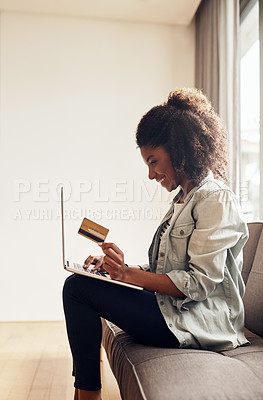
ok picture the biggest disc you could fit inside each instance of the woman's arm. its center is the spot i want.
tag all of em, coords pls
(160, 283)
(118, 270)
(214, 245)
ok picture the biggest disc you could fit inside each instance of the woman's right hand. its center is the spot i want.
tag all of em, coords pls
(97, 261)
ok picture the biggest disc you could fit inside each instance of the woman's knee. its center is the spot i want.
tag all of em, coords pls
(70, 285)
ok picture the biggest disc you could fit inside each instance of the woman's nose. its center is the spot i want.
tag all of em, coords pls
(151, 174)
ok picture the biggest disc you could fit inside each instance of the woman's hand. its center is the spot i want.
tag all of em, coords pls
(114, 261)
(114, 264)
(97, 261)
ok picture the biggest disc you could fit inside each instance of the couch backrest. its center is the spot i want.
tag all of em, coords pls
(255, 229)
(253, 277)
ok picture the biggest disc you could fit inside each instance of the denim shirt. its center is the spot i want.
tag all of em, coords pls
(201, 252)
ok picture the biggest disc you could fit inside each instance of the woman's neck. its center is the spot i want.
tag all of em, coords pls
(186, 188)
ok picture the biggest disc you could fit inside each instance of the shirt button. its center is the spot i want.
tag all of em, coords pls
(181, 232)
(170, 325)
(162, 254)
(161, 303)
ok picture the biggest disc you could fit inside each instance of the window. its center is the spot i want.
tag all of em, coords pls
(250, 111)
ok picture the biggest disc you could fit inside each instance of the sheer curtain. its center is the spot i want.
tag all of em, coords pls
(217, 68)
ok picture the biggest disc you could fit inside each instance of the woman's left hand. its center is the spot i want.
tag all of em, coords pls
(113, 261)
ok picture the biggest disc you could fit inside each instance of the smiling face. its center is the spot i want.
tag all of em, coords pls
(161, 169)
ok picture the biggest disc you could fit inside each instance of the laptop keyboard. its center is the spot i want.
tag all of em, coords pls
(80, 267)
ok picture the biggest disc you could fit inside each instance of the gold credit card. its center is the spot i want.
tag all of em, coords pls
(93, 231)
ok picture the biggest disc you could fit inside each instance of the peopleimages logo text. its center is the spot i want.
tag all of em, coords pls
(116, 190)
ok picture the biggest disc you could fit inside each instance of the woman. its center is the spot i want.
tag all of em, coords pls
(193, 284)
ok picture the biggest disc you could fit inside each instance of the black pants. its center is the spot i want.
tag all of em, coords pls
(134, 311)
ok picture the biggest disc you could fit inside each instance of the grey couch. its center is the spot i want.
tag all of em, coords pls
(145, 372)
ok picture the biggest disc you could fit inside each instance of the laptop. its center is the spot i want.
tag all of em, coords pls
(79, 268)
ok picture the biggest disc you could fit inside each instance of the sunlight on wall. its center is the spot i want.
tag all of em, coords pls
(73, 91)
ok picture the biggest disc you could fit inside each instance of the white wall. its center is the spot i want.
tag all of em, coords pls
(72, 93)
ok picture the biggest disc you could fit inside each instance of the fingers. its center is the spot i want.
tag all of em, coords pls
(98, 265)
(95, 260)
(105, 246)
(112, 251)
(109, 262)
(88, 261)
(113, 261)
(113, 268)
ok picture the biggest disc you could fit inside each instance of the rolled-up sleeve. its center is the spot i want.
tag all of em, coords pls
(145, 267)
(218, 228)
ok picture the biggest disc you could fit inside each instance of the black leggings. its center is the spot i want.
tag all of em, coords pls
(134, 311)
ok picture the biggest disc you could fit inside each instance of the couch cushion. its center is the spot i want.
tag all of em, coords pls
(151, 373)
(251, 355)
(253, 299)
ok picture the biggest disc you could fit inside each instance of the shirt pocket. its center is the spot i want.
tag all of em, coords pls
(179, 237)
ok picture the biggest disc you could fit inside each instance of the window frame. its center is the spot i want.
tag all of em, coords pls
(245, 8)
(261, 109)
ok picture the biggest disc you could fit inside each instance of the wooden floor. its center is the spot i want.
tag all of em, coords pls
(35, 363)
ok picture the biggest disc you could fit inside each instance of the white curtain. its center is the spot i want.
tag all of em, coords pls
(217, 68)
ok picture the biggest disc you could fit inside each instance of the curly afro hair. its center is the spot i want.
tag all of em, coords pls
(189, 129)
